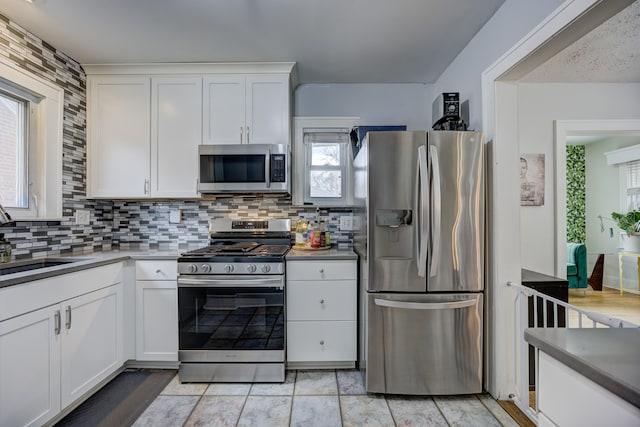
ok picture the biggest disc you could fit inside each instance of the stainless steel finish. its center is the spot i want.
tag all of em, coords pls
(57, 322)
(420, 239)
(232, 372)
(265, 150)
(5, 218)
(460, 263)
(248, 131)
(238, 268)
(67, 313)
(412, 349)
(436, 206)
(274, 225)
(274, 281)
(393, 267)
(241, 134)
(231, 356)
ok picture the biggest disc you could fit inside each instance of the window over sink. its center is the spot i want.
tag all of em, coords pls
(31, 114)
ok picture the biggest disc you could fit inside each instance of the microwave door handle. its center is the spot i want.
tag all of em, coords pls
(267, 169)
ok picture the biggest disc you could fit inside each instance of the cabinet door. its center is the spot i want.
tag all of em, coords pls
(92, 340)
(267, 112)
(29, 368)
(176, 132)
(119, 136)
(224, 109)
(157, 320)
(321, 341)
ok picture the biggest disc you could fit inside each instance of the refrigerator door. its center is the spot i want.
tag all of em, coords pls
(393, 225)
(424, 344)
(456, 255)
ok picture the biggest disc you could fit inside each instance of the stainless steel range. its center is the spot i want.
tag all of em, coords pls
(231, 303)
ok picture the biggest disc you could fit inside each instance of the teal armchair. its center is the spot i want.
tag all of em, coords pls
(577, 265)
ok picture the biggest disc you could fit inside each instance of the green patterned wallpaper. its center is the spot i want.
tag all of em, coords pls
(576, 193)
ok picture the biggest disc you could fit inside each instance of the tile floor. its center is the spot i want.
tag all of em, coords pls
(314, 398)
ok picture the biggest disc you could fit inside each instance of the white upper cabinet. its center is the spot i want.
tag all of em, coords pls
(246, 109)
(176, 132)
(118, 142)
(145, 121)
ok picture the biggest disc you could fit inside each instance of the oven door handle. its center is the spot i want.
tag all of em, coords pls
(243, 283)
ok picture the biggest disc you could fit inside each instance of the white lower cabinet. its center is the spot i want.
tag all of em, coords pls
(567, 398)
(30, 368)
(156, 311)
(52, 356)
(59, 338)
(321, 312)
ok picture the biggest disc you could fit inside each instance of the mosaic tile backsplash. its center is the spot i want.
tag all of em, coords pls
(118, 224)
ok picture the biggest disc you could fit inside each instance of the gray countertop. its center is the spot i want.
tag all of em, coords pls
(607, 356)
(85, 260)
(327, 254)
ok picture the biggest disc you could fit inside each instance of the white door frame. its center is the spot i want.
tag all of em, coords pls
(499, 97)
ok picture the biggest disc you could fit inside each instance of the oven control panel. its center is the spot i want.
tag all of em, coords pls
(231, 268)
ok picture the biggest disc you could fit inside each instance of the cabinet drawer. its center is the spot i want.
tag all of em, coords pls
(321, 270)
(156, 270)
(313, 300)
(321, 341)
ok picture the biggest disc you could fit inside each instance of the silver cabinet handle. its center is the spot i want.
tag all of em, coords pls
(56, 322)
(241, 134)
(425, 305)
(67, 313)
(321, 342)
(322, 271)
(321, 301)
(146, 186)
(248, 130)
(158, 271)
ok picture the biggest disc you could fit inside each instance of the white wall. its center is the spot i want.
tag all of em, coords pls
(509, 24)
(538, 106)
(375, 104)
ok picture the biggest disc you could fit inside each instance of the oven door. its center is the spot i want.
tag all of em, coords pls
(231, 318)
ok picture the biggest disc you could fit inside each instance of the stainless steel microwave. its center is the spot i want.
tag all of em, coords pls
(244, 168)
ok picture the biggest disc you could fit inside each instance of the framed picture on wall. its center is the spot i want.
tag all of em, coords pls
(531, 179)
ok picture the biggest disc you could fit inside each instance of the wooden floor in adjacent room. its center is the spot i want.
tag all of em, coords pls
(609, 302)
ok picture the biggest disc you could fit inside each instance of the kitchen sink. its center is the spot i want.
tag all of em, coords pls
(32, 264)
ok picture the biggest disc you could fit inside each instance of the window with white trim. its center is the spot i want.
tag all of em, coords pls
(633, 185)
(31, 114)
(323, 172)
(14, 153)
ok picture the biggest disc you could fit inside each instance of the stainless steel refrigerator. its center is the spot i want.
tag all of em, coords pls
(420, 237)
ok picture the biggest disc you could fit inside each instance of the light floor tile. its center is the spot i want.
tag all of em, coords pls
(316, 383)
(216, 411)
(275, 389)
(415, 411)
(465, 411)
(350, 382)
(369, 410)
(174, 388)
(228, 389)
(167, 411)
(266, 411)
(315, 411)
(494, 407)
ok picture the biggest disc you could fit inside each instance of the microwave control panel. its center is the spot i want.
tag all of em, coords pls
(278, 168)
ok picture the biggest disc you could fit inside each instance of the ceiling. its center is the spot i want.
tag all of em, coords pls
(332, 41)
(609, 53)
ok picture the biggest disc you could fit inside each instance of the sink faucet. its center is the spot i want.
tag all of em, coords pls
(5, 218)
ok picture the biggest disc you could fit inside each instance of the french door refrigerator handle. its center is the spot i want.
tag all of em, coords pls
(425, 305)
(436, 210)
(423, 211)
